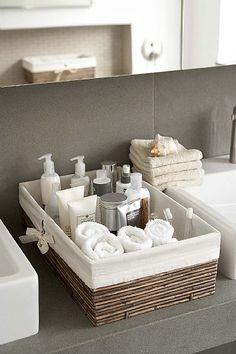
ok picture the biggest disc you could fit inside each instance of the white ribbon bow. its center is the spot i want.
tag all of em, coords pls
(59, 72)
(43, 239)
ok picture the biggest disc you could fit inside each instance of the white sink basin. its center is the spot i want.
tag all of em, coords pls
(215, 201)
(19, 315)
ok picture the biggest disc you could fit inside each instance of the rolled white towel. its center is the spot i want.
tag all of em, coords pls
(160, 231)
(87, 230)
(102, 246)
(133, 239)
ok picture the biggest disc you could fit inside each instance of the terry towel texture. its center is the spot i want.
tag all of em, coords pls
(102, 246)
(160, 231)
(181, 169)
(142, 163)
(172, 177)
(133, 239)
(87, 230)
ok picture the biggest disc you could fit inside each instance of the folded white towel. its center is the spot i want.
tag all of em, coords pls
(180, 184)
(160, 231)
(171, 177)
(87, 230)
(163, 170)
(133, 239)
(102, 246)
(142, 149)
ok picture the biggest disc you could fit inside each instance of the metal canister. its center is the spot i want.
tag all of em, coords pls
(109, 215)
(111, 168)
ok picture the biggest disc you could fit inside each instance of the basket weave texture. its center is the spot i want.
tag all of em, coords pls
(116, 302)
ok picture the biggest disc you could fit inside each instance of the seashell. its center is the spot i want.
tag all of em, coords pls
(154, 150)
(163, 145)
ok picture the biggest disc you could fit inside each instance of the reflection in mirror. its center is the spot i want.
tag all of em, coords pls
(208, 33)
(107, 38)
(54, 40)
(29, 4)
(40, 55)
(201, 33)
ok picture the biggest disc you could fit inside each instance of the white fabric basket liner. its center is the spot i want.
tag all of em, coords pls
(58, 62)
(203, 247)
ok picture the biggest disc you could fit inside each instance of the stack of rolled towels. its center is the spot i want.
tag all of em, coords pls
(164, 162)
(96, 241)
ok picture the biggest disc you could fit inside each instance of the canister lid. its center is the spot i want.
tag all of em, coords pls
(113, 198)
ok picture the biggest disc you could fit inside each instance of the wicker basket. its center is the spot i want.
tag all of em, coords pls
(66, 75)
(122, 299)
(66, 67)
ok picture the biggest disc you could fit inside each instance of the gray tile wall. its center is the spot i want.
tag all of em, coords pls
(195, 106)
(98, 118)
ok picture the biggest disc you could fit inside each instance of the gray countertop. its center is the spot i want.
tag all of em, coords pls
(186, 328)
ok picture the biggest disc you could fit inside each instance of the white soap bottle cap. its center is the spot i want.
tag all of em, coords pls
(79, 166)
(126, 169)
(125, 176)
(136, 180)
(48, 165)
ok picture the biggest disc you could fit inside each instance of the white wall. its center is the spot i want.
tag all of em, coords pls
(200, 33)
(155, 19)
(227, 32)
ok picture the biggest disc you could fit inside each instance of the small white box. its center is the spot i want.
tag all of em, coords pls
(58, 67)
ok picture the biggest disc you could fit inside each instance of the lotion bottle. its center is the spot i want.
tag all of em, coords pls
(52, 207)
(124, 183)
(48, 179)
(79, 178)
(101, 184)
(137, 192)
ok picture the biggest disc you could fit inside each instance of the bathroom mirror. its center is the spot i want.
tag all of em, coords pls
(77, 39)
(29, 4)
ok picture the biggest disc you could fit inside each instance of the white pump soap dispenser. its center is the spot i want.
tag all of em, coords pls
(79, 178)
(48, 179)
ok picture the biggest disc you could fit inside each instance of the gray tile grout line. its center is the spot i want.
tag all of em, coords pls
(154, 102)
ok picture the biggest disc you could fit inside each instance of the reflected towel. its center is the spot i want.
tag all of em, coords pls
(133, 239)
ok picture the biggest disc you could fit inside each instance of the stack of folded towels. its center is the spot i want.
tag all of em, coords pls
(164, 162)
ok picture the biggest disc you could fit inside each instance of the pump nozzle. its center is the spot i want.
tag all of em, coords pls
(79, 166)
(47, 157)
(48, 164)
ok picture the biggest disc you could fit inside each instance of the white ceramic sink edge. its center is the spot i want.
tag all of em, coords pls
(215, 202)
(19, 307)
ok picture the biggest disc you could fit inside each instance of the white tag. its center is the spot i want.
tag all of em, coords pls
(43, 246)
(42, 238)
